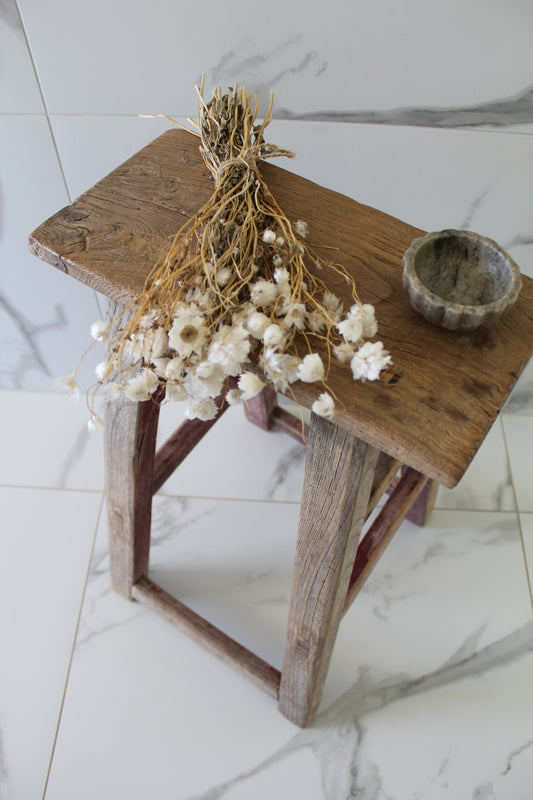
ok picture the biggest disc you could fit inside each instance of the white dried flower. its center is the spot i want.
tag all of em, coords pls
(369, 361)
(70, 383)
(280, 241)
(273, 336)
(174, 369)
(223, 276)
(324, 406)
(277, 261)
(281, 369)
(257, 323)
(205, 410)
(155, 344)
(343, 352)
(174, 390)
(333, 306)
(234, 397)
(366, 315)
(281, 275)
(351, 329)
(311, 368)
(103, 369)
(229, 348)
(300, 227)
(250, 385)
(99, 330)
(160, 366)
(206, 381)
(269, 236)
(113, 390)
(188, 330)
(263, 293)
(149, 320)
(94, 422)
(370, 325)
(295, 315)
(142, 386)
(316, 321)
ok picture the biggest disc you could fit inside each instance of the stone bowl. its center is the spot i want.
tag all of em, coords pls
(459, 280)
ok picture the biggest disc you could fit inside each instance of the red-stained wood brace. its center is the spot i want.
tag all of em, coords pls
(420, 425)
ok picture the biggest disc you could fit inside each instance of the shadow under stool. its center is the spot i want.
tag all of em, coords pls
(419, 425)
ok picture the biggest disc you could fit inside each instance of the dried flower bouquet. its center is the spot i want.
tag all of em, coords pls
(234, 292)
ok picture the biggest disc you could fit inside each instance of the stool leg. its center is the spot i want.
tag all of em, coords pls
(130, 438)
(423, 506)
(338, 479)
(259, 409)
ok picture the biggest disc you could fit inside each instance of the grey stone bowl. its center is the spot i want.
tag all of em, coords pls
(459, 280)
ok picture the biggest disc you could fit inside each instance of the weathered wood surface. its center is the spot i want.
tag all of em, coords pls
(380, 533)
(338, 478)
(431, 411)
(130, 439)
(208, 636)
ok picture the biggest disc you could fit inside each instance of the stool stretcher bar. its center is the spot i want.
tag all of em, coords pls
(208, 636)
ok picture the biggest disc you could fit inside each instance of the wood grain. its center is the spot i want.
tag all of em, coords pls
(338, 478)
(431, 411)
(208, 636)
(130, 439)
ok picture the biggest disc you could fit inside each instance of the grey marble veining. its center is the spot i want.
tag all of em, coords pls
(337, 735)
(503, 112)
(25, 352)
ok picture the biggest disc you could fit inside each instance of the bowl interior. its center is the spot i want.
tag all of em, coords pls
(463, 271)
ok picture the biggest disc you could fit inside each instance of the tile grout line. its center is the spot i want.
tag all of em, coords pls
(49, 124)
(41, 93)
(71, 659)
(519, 522)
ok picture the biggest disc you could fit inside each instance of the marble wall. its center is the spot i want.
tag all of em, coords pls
(423, 109)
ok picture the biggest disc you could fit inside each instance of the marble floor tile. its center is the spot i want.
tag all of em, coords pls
(519, 436)
(236, 460)
(431, 669)
(45, 549)
(487, 483)
(47, 443)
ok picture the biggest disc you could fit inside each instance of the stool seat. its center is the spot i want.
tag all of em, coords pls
(428, 414)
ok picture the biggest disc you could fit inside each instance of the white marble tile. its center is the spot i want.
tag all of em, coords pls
(19, 90)
(236, 460)
(47, 443)
(526, 522)
(436, 647)
(44, 314)
(519, 437)
(45, 550)
(444, 62)
(486, 485)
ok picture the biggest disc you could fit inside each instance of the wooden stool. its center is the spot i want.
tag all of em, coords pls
(428, 415)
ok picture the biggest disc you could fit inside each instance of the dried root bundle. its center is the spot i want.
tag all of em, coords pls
(235, 289)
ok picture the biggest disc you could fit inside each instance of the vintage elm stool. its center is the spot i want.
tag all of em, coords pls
(425, 419)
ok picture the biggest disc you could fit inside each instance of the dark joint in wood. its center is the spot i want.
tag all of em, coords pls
(208, 636)
(383, 529)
